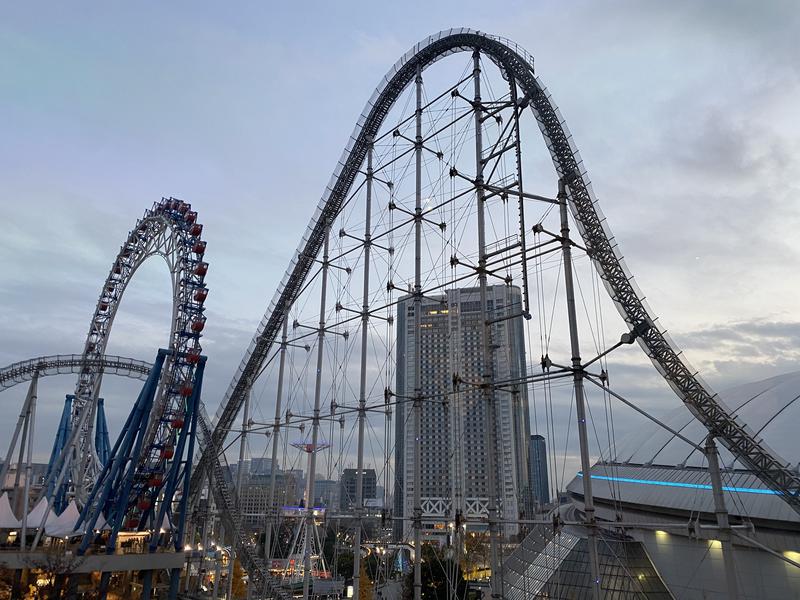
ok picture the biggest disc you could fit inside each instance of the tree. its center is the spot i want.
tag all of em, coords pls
(476, 553)
(364, 583)
(435, 571)
(239, 587)
(49, 571)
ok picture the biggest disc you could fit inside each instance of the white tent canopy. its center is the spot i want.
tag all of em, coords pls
(7, 518)
(36, 515)
(102, 524)
(64, 524)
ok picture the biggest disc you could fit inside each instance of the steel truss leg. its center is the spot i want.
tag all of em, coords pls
(417, 523)
(312, 456)
(30, 426)
(362, 396)
(26, 420)
(272, 521)
(722, 518)
(580, 398)
(23, 424)
(239, 476)
(487, 358)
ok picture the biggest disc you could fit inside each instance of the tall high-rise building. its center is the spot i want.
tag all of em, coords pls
(347, 495)
(260, 466)
(254, 498)
(537, 460)
(454, 450)
(326, 493)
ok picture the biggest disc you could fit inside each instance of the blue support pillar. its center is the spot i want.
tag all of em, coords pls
(101, 442)
(121, 480)
(194, 404)
(147, 585)
(58, 497)
(181, 462)
(117, 475)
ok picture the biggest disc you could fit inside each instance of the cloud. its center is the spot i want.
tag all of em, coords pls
(685, 112)
(738, 352)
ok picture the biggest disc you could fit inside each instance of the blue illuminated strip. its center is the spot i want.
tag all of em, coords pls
(693, 486)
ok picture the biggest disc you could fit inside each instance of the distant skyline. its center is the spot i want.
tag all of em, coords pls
(685, 113)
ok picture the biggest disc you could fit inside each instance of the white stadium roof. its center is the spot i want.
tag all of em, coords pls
(769, 408)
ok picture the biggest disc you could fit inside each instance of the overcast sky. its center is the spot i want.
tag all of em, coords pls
(686, 114)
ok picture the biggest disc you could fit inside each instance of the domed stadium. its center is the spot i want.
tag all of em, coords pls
(659, 486)
(660, 479)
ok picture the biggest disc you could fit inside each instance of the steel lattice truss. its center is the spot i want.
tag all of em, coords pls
(596, 234)
(65, 364)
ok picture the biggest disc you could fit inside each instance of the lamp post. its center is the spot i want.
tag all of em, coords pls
(218, 571)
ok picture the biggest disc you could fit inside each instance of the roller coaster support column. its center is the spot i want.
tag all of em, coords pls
(580, 398)
(722, 518)
(23, 424)
(417, 348)
(194, 406)
(173, 480)
(118, 480)
(31, 422)
(276, 428)
(101, 442)
(312, 456)
(58, 497)
(362, 395)
(107, 492)
(239, 478)
(487, 361)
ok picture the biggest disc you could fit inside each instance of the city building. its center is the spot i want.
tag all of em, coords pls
(347, 497)
(254, 498)
(299, 478)
(17, 478)
(260, 466)
(14, 484)
(454, 452)
(326, 493)
(537, 463)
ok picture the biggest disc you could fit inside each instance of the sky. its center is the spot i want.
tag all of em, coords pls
(686, 115)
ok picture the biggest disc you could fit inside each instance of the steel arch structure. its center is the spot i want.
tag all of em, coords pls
(170, 230)
(71, 364)
(602, 247)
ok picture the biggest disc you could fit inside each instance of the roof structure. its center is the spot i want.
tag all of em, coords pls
(683, 490)
(7, 518)
(657, 472)
(769, 407)
(554, 564)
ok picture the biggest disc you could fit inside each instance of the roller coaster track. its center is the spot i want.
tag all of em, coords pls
(515, 63)
(66, 364)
